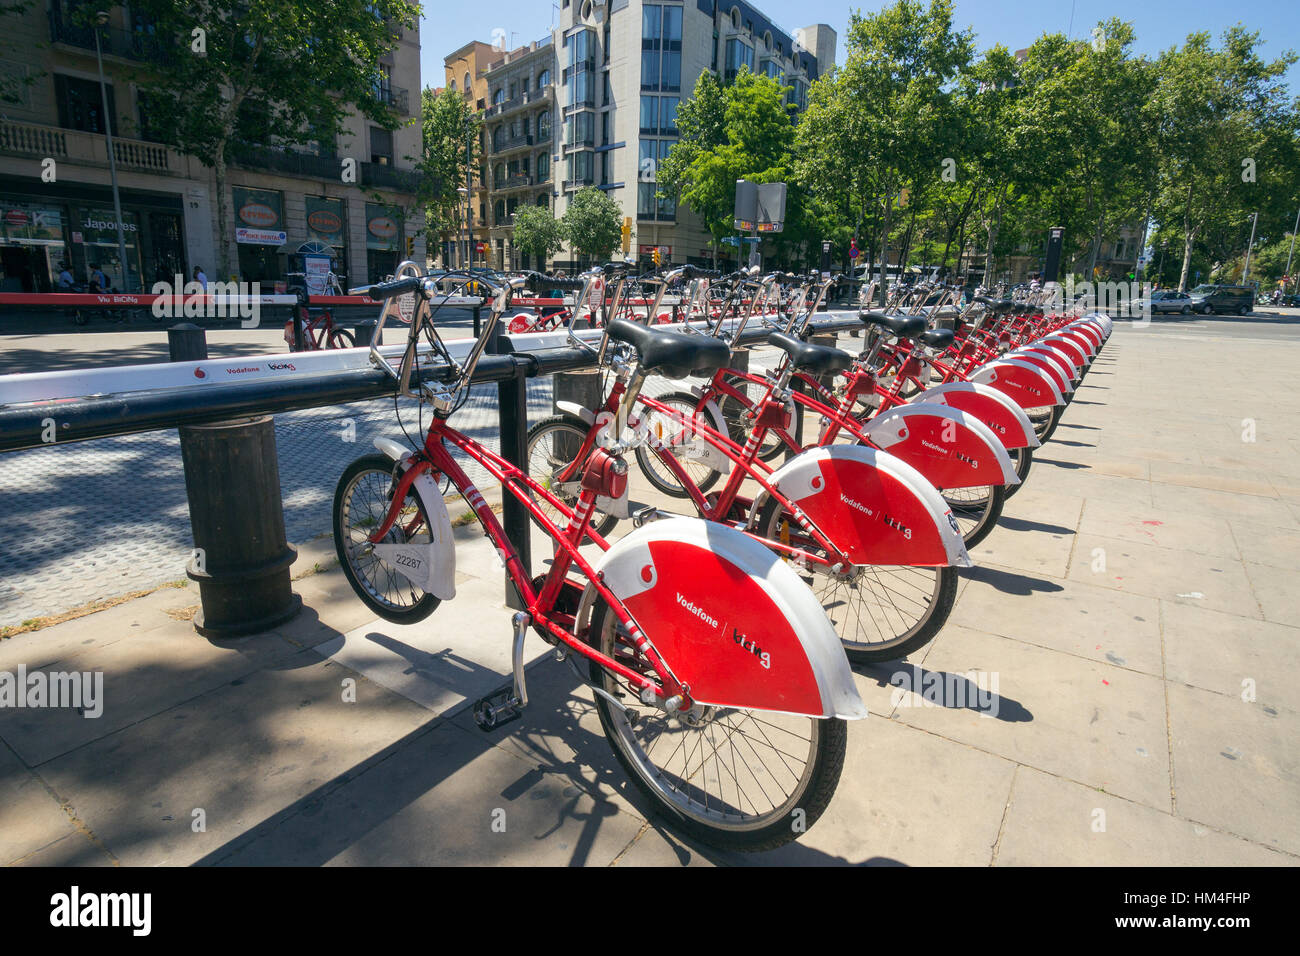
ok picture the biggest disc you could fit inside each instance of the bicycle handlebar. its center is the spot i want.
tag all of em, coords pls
(389, 289)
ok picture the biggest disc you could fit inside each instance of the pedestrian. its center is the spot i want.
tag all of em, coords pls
(201, 279)
(98, 281)
(66, 282)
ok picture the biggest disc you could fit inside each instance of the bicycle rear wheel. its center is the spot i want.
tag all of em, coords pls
(880, 612)
(735, 779)
(361, 503)
(976, 510)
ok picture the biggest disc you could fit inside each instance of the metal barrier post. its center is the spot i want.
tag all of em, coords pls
(300, 320)
(512, 398)
(478, 316)
(232, 481)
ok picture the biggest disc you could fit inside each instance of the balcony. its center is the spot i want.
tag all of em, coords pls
(128, 44)
(508, 143)
(288, 161)
(396, 97)
(32, 139)
(520, 101)
(572, 184)
(384, 176)
(514, 182)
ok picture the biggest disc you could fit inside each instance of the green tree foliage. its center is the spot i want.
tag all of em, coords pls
(450, 143)
(537, 232)
(265, 72)
(593, 223)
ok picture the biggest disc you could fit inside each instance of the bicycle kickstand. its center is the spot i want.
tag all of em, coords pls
(507, 702)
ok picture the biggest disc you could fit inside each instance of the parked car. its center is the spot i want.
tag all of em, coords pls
(1164, 300)
(1222, 299)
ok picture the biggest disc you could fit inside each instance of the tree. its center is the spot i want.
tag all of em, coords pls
(537, 233)
(12, 86)
(450, 144)
(1223, 111)
(593, 223)
(740, 132)
(271, 72)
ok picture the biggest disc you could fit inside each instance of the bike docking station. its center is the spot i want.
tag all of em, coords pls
(223, 411)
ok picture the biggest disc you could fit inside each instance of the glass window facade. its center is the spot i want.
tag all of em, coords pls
(661, 47)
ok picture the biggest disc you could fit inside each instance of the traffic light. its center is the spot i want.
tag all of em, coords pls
(655, 256)
(410, 247)
(627, 234)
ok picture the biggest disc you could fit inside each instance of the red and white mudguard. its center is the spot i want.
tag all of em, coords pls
(949, 447)
(1028, 386)
(873, 506)
(1004, 417)
(731, 619)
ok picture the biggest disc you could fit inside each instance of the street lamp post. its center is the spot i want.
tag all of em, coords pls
(469, 195)
(101, 18)
(1291, 251)
(463, 257)
(1245, 269)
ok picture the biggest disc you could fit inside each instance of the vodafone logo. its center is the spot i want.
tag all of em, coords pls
(199, 373)
(856, 504)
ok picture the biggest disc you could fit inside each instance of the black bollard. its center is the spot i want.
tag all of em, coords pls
(232, 481)
(512, 400)
(364, 332)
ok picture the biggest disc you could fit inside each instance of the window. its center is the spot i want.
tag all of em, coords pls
(499, 212)
(544, 126)
(468, 84)
(581, 167)
(661, 47)
(80, 104)
(543, 167)
(381, 146)
(544, 201)
(498, 139)
(738, 55)
(543, 79)
(453, 86)
(498, 97)
(582, 129)
(659, 114)
(499, 174)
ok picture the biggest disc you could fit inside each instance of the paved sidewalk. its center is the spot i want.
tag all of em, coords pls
(1135, 606)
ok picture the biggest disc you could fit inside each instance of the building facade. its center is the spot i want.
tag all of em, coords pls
(285, 205)
(625, 66)
(612, 78)
(466, 74)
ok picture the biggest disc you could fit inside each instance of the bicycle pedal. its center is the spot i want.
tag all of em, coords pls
(497, 708)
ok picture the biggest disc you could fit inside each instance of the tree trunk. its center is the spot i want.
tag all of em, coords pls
(993, 228)
(1188, 236)
(1096, 248)
(223, 208)
(884, 249)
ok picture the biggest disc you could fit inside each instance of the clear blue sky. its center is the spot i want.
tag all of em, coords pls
(1159, 24)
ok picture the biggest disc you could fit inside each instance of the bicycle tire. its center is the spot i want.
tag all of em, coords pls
(908, 630)
(811, 794)
(347, 536)
(663, 480)
(1022, 458)
(976, 510)
(601, 522)
(337, 335)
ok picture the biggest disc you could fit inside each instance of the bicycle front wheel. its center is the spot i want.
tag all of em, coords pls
(361, 503)
(552, 444)
(880, 612)
(665, 431)
(734, 779)
(340, 339)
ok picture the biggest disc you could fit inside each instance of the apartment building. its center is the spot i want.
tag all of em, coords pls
(597, 106)
(286, 206)
(624, 67)
(466, 73)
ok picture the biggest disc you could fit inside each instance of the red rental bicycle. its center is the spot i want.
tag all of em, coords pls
(864, 529)
(952, 449)
(718, 680)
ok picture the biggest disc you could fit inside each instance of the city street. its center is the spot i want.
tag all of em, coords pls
(1135, 607)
